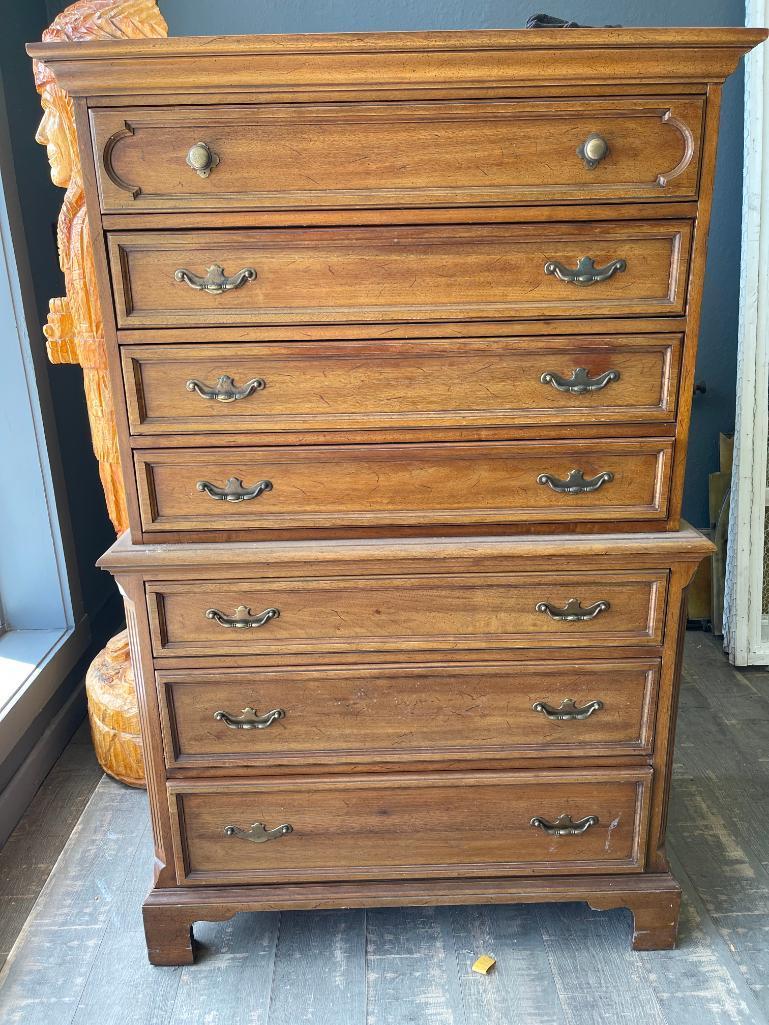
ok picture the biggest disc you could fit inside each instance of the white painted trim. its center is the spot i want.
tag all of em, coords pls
(32, 665)
(744, 630)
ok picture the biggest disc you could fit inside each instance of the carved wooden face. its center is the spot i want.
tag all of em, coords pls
(53, 133)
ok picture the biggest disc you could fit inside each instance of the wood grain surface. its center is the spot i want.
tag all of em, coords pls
(430, 713)
(391, 385)
(390, 613)
(399, 154)
(409, 826)
(360, 485)
(409, 274)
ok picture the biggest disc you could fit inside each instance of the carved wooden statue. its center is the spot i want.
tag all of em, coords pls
(75, 334)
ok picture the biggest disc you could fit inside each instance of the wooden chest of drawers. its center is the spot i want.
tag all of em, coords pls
(402, 332)
(325, 716)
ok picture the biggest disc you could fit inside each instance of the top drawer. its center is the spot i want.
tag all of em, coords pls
(355, 155)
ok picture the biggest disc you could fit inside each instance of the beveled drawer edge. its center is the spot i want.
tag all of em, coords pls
(300, 761)
(565, 348)
(248, 520)
(640, 776)
(657, 581)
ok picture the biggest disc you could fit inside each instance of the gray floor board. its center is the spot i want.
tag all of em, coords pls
(120, 964)
(599, 980)
(723, 867)
(700, 980)
(48, 968)
(734, 693)
(319, 976)
(31, 851)
(231, 981)
(519, 990)
(411, 969)
(747, 936)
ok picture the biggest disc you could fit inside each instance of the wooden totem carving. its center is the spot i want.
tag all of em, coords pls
(75, 334)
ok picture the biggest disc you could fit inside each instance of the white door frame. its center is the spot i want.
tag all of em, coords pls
(746, 628)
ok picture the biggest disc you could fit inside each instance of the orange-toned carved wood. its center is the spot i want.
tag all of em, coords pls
(75, 334)
(113, 712)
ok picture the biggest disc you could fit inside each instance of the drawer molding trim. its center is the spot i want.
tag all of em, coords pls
(126, 131)
(366, 155)
(387, 385)
(664, 179)
(478, 824)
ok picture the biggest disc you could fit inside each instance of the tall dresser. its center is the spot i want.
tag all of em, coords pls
(402, 331)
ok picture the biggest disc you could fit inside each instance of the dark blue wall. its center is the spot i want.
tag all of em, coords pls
(713, 412)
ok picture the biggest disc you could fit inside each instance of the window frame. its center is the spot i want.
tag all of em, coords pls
(44, 630)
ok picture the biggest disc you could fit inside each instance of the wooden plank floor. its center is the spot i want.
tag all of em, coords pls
(80, 957)
(34, 846)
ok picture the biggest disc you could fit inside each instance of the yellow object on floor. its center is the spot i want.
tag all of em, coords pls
(484, 964)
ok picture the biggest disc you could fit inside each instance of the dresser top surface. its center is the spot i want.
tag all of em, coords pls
(687, 544)
(471, 58)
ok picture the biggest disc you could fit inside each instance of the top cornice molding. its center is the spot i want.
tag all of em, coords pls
(404, 61)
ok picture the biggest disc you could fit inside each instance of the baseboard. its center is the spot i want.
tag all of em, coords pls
(25, 767)
(25, 782)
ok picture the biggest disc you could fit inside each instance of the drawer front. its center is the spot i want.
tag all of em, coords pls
(353, 155)
(343, 716)
(466, 611)
(410, 826)
(403, 485)
(388, 385)
(327, 275)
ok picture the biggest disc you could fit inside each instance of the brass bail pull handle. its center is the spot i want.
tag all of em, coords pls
(579, 382)
(567, 711)
(576, 483)
(234, 490)
(564, 825)
(202, 159)
(258, 833)
(592, 150)
(572, 611)
(225, 389)
(215, 281)
(586, 272)
(243, 618)
(250, 719)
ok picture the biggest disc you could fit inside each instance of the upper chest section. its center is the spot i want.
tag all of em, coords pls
(397, 120)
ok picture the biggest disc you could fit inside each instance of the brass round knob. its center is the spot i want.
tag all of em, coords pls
(201, 158)
(593, 150)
